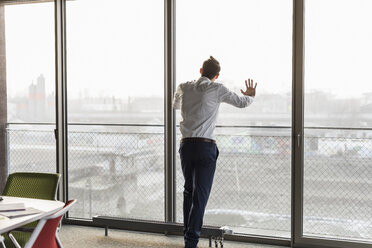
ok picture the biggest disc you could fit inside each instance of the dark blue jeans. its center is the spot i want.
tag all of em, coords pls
(198, 160)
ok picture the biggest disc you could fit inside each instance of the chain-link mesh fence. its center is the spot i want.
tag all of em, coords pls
(116, 174)
(252, 185)
(251, 191)
(122, 174)
(31, 150)
(110, 173)
(337, 187)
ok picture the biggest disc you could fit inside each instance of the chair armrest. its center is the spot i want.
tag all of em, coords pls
(14, 241)
(19, 229)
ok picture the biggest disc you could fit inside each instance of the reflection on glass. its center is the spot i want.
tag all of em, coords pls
(250, 39)
(115, 76)
(338, 94)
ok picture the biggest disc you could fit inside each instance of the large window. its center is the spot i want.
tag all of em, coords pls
(115, 108)
(29, 61)
(113, 80)
(251, 39)
(338, 103)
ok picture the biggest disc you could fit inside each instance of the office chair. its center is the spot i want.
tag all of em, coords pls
(45, 233)
(30, 185)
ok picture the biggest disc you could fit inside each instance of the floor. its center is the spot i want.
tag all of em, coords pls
(84, 237)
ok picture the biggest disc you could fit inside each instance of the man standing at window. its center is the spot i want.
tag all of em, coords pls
(199, 102)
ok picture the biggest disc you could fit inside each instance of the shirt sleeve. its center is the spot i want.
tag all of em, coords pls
(227, 96)
(177, 98)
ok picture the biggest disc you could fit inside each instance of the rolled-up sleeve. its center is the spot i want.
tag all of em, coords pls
(227, 96)
(177, 98)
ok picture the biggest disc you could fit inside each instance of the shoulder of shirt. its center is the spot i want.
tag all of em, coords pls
(186, 84)
(219, 85)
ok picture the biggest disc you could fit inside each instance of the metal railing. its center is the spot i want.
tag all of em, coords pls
(118, 170)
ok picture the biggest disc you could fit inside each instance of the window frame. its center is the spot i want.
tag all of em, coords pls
(297, 178)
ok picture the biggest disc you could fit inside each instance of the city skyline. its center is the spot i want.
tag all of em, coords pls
(273, 109)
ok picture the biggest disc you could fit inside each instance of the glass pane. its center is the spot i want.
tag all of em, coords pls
(338, 103)
(115, 108)
(251, 39)
(29, 63)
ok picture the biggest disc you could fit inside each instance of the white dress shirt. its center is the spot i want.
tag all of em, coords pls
(199, 102)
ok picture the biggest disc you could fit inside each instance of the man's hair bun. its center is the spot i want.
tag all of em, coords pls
(211, 67)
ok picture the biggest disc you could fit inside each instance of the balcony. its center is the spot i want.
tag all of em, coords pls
(118, 170)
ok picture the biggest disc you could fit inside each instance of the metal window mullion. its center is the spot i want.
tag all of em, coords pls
(169, 117)
(297, 121)
(4, 144)
(61, 97)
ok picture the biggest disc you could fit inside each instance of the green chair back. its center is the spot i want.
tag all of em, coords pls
(32, 185)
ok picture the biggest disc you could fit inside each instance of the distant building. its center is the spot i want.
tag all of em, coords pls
(37, 99)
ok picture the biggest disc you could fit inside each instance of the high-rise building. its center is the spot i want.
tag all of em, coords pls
(37, 100)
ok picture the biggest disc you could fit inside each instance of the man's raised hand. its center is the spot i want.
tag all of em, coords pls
(250, 91)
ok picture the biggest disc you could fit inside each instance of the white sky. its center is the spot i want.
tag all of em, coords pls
(338, 51)
(29, 46)
(116, 48)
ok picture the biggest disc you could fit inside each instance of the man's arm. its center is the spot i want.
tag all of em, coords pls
(227, 96)
(177, 98)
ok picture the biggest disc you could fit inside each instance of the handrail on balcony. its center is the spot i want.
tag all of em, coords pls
(161, 125)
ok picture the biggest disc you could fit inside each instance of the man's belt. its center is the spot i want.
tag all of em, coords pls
(197, 139)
